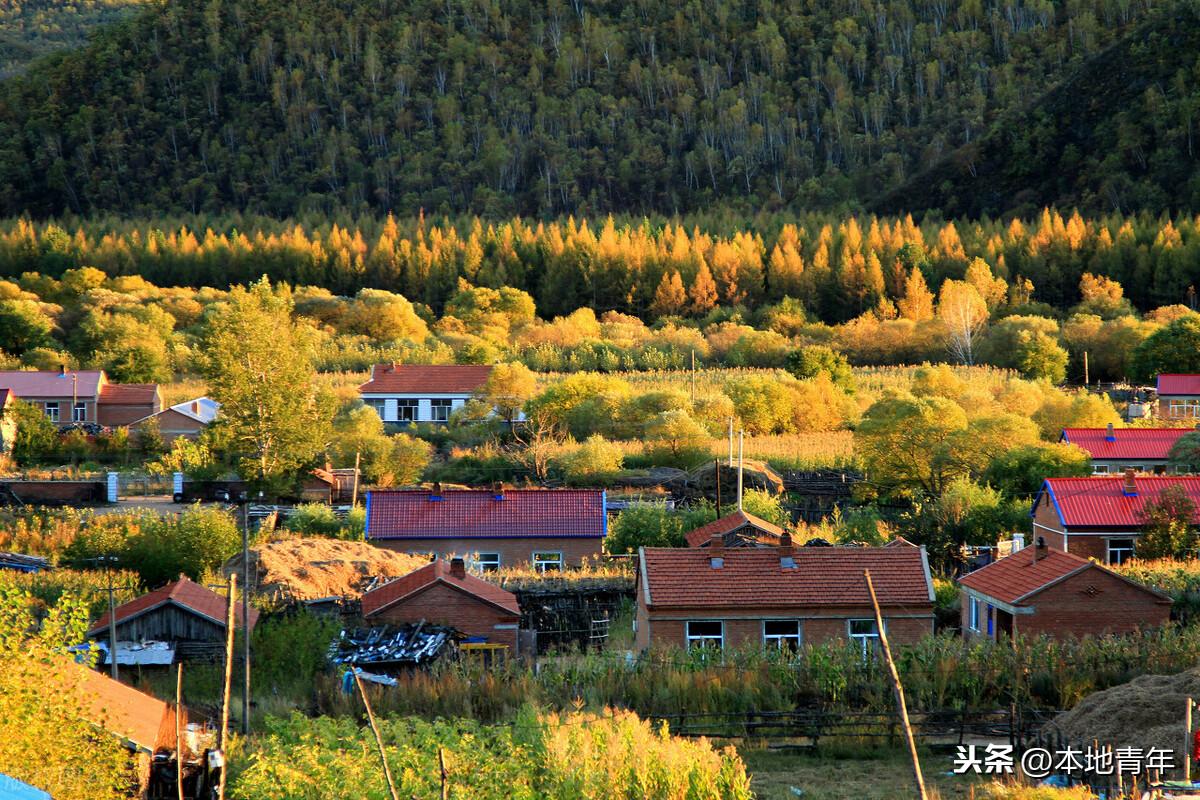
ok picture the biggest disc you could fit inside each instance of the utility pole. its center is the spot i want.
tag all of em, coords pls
(354, 492)
(897, 688)
(112, 629)
(731, 441)
(1086, 377)
(740, 436)
(179, 730)
(223, 742)
(693, 376)
(387, 771)
(1188, 755)
(717, 475)
(246, 617)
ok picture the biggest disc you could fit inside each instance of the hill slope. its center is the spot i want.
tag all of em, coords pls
(530, 106)
(1121, 133)
(32, 28)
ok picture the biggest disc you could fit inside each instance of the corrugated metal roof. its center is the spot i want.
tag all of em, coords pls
(1177, 384)
(398, 590)
(1131, 444)
(13, 789)
(26, 383)
(426, 379)
(753, 576)
(183, 592)
(730, 523)
(1101, 502)
(470, 513)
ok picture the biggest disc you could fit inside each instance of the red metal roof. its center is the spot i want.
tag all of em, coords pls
(1174, 384)
(1101, 502)
(1017, 577)
(754, 576)
(408, 585)
(730, 523)
(52, 383)
(472, 514)
(183, 592)
(426, 379)
(1132, 444)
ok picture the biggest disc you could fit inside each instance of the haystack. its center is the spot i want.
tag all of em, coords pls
(314, 567)
(1146, 712)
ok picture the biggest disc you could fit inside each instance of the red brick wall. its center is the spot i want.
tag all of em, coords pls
(1046, 516)
(1088, 546)
(1068, 609)
(442, 605)
(743, 626)
(512, 550)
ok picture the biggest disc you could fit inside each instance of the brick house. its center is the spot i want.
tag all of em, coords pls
(444, 593)
(739, 529)
(185, 420)
(1039, 591)
(1114, 450)
(546, 528)
(779, 596)
(405, 394)
(1101, 517)
(70, 396)
(1178, 397)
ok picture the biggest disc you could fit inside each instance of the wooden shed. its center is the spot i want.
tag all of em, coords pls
(183, 612)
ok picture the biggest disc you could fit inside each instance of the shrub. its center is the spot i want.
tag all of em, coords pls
(594, 462)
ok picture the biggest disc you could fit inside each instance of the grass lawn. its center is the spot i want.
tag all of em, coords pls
(860, 774)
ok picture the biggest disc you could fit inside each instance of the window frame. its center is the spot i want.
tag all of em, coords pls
(1100, 469)
(697, 641)
(379, 405)
(485, 562)
(440, 404)
(52, 409)
(973, 614)
(544, 565)
(404, 404)
(79, 412)
(863, 639)
(1129, 551)
(782, 641)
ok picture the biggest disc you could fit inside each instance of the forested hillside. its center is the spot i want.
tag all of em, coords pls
(530, 106)
(1119, 134)
(35, 27)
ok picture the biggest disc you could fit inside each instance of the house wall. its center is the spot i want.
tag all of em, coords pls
(743, 626)
(443, 605)
(641, 636)
(424, 404)
(172, 425)
(512, 550)
(64, 405)
(1112, 607)
(1188, 412)
(115, 415)
(168, 623)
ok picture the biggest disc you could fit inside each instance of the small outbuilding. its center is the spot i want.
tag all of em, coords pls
(739, 529)
(1041, 591)
(444, 593)
(183, 612)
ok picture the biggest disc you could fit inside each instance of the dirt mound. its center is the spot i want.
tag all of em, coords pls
(313, 567)
(1146, 712)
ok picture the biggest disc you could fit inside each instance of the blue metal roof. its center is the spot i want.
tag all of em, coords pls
(13, 789)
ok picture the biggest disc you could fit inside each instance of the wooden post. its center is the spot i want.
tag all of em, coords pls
(354, 492)
(246, 618)
(1086, 377)
(897, 688)
(693, 376)
(717, 475)
(223, 742)
(179, 730)
(1187, 742)
(442, 768)
(387, 771)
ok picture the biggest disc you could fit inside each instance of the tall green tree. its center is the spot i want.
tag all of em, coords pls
(258, 365)
(1174, 348)
(1168, 526)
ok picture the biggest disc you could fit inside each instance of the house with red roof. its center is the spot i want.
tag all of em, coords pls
(549, 529)
(739, 529)
(182, 612)
(1114, 450)
(1178, 396)
(444, 593)
(779, 596)
(1101, 517)
(1038, 591)
(82, 396)
(405, 394)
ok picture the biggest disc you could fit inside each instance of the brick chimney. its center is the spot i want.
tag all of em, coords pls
(1110, 436)
(458, 568)
(1129, 487)
(1039, 548)
(716, 551)
(787, 556)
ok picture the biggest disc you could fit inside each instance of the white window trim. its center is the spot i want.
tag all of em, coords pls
(439, 403)
(689, 639)
(973, 614)
(541, 565)
(480, 564)
(407, 402)
(864, 640)
(53, 411)
(1099, 469)
(79, 412)
(1108, 548)
(778, 640)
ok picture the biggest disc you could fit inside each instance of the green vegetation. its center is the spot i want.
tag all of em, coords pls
(33, 28)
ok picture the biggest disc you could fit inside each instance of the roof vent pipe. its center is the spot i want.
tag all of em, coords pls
(1129, 488)
(716, 551)
(1111, 436)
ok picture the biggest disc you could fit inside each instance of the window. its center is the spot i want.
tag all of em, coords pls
(406, 410)
(487, 562)
(378, 405)
(1119, 550)
(79, 413)
(1136, 468)
(973, 619)
(782, 633)
(865, 634)
(547, 560)
(1099, 469)
(52, 411)
(991, 620)
(705, 633)
(1185, 408)
(441, 410)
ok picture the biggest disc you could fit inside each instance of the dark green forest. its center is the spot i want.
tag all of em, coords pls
(30, 29)
(544, 107)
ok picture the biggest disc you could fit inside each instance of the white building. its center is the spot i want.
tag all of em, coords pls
(410, 393)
